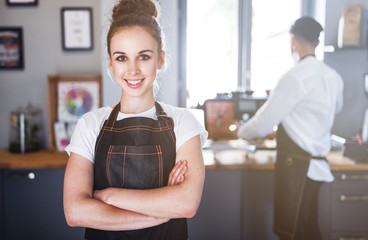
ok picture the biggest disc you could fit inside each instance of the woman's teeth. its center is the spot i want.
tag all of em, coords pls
(135, 82)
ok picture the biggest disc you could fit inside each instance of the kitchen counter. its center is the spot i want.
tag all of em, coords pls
(265, 159)
(226, 159)
(36, 160)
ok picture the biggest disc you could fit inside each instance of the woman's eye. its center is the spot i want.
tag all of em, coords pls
(121, 58)
(144, 57)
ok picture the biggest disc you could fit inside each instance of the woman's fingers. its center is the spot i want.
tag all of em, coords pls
(176, 175)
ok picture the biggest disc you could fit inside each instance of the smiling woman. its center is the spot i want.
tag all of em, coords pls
(134, 63)
(136, 169)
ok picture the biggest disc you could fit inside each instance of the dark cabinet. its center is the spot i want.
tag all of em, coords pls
(219, 213)
(33, 205)
(349, 205)
(238, 204)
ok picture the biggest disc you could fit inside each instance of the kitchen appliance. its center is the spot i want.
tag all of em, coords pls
(224, 113)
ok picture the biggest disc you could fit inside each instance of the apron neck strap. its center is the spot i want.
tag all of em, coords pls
(113, 115)
(115, 111)
(159, 110)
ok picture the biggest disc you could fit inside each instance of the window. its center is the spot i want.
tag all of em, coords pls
(270, 46)
(212, 48)
(217, 31)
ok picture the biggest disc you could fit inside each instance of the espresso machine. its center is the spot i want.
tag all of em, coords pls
(227, 111)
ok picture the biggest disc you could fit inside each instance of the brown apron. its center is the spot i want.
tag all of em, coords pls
(291, 169)
(136, 153)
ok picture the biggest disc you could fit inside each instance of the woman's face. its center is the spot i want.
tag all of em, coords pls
(134, 60)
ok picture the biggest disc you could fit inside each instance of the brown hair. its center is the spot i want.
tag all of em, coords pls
(143, 13)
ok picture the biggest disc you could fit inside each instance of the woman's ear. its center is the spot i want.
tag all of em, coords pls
(161, 62)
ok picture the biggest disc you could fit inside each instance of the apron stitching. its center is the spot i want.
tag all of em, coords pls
(122, 185)
(168, 126)
(108, 165)
(137, 128)
(139, 154)
(103, 130)
(161, 167)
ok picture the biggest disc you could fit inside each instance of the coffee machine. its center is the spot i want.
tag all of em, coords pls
(224, 113)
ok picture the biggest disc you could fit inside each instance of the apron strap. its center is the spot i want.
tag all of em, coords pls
(113, 116)
(159, 110)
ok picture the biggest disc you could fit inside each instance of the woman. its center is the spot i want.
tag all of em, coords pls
(125, 175)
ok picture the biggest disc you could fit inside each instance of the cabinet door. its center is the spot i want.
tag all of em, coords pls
(349, 202)
(33, 206)
(1, 207)
(257, 200)
(218, 216)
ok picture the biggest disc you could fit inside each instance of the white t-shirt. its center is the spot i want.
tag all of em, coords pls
(305, 101)
(88, 127)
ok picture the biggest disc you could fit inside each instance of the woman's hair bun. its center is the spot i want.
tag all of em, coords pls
(141, 7)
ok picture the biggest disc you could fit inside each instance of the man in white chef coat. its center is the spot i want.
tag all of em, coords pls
(303, 106)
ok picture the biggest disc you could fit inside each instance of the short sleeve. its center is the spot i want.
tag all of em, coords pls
(83, 139)
(187, 127)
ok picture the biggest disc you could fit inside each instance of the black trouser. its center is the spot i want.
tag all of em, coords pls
(308, 224)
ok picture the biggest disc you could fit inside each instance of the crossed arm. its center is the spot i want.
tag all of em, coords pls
(128, 209)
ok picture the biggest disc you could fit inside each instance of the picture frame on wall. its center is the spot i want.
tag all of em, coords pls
(21, 2)
(11, 48)
(77, 28)
(69, 97)
(75, 98)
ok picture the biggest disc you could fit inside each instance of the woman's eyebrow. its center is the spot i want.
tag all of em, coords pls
(117, 52)
(140, 52)
(147, 50)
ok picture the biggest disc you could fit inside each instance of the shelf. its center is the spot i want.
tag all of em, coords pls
(332, 48)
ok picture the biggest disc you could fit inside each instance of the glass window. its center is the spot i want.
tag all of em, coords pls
(270, 46)
(213, 45)
(212, 49)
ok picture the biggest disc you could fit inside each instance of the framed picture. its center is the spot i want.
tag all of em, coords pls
(69, 97)
(11, 48)
(76, 25)
(21, 2)
(76, 98)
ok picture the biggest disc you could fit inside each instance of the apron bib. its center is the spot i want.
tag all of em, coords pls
(136, 153)
(290, 176)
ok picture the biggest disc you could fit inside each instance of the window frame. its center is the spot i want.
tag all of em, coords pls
(309, 8)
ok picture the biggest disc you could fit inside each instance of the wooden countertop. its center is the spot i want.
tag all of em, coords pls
(265, 159)
(35, 160)
(231, 159)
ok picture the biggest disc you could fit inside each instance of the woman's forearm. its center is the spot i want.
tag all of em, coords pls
(166, 202)
(91, 213)
(178, 201)
(82, 210)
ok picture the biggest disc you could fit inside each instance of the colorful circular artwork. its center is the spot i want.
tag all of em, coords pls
(78, 101)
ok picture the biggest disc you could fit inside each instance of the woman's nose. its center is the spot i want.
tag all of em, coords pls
(133, 68)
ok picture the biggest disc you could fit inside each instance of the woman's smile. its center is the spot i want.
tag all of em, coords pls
(134, 83)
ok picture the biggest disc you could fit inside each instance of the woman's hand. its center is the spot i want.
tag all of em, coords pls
(176, 177)
(177, 174)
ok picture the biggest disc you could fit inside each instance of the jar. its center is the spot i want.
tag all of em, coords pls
(24, 131)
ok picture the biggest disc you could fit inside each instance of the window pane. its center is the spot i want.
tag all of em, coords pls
(270, 47)
(212, 48)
